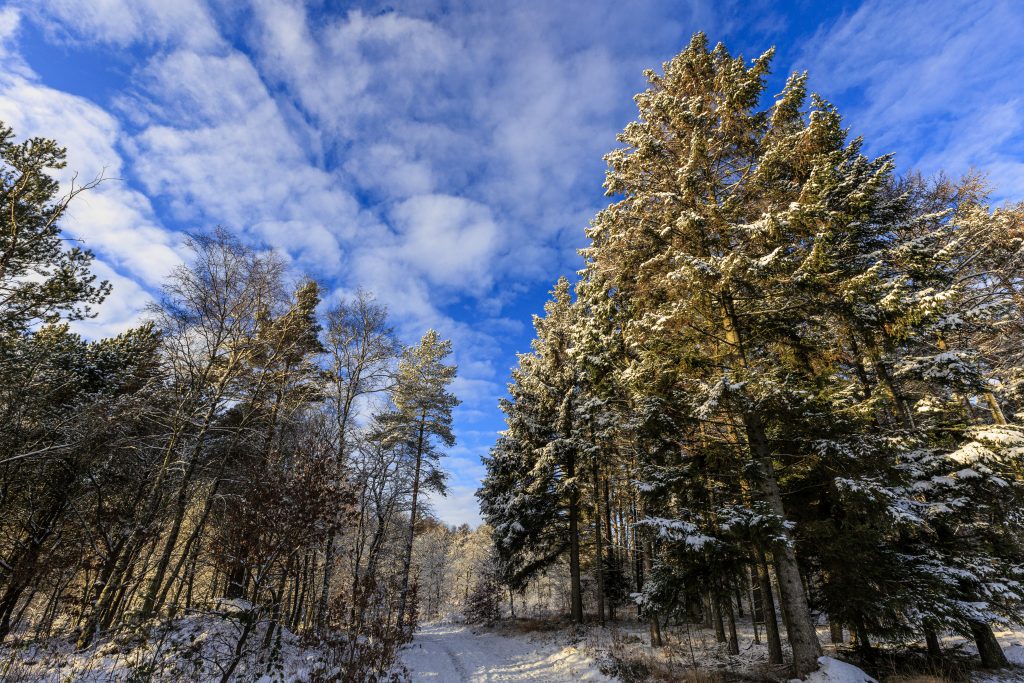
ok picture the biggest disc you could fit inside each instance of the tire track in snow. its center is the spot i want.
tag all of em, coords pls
(457, 664)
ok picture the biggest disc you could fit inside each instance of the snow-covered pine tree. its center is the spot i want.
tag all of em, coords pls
(766, 313)
(703, 244)
(531, 495)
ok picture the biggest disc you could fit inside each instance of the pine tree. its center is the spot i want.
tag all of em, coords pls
(768, 315)
(40, 280)
(542, 450)
(703, 178)
(422, 415)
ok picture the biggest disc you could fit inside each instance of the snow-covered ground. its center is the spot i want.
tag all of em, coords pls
(196, 648)
(460, 654)
(456, 653)
(193, 648)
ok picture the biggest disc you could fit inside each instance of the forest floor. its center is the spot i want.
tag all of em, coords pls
(549, 650)
(462, 654)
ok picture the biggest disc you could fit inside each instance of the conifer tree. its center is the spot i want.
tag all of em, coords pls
(761, 297)
(420, 422)
(40, 280)
(703, 178)
(541, 448)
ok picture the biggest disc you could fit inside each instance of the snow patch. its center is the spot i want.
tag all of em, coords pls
(836, 671)
(1015, 654)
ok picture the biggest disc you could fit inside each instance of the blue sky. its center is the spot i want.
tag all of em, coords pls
(447, 155)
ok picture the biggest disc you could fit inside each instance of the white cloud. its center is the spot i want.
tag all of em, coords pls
(451, 240)
(222, 152)
(123, 22)
(934, 82)
(460, 506)
(391, 171)
(112, 219)
(120, 311)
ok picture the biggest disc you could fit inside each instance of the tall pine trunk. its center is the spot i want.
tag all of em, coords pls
(575, 585)
(407, 565)
(652, 617)
(598, 545)
(991, 653)
(771, 624)
(612, 559)
(803, 639)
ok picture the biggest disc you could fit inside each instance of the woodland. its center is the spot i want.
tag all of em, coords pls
(786, 377)
(782, 393)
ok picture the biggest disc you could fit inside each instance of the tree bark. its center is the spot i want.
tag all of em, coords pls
(932, 640)
(997, 412)
(598, 545)
(716, 618)
(803, 638)
(575, 589)
(835, 630)
(771, 625)
(991, 653)
(407, 566)
(734, 642)
(612, 564)
(652, 618)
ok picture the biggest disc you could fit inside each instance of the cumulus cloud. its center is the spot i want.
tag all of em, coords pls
(451, 240)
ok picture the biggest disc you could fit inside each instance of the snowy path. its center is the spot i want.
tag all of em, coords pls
(455, 654)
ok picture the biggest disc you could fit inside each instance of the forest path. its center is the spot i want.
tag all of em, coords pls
(457, 654)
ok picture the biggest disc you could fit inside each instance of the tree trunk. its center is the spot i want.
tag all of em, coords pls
(598, 545)
(190, 544)
(756, 609)
(407, 565)
(901, 401)
(652, 618)
(932, 640)
(182, 497)
(575, 592)
(734, 641)
(23, 568)
(835, 630)
(325, 589)
(771, 625)
(638, 554)
(991, 653)
(716, 618)
(997, 412)
(612, 564)
(799, 627)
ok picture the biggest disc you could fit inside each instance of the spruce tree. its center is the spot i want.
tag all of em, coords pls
(693, 243)
(542, 450)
